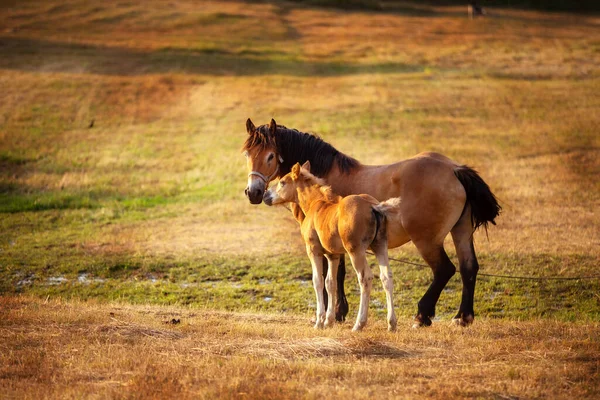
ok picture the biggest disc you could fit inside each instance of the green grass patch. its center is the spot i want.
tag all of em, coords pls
(284, 284)
(13, 203)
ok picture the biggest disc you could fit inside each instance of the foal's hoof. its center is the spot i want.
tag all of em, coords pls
(358, 327)
(392, 326)
(318, 325)
(463, 320)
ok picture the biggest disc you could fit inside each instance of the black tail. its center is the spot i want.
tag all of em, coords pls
(484, 205)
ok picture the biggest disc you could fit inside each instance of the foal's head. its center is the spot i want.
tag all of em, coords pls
(262, 159)
(286, 191)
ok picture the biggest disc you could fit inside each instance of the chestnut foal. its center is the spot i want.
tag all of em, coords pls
(332, 226)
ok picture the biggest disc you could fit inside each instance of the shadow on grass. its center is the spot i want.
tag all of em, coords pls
(48, 56)
(441, 8)
(581, 6)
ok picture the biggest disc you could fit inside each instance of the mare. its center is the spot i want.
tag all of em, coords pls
(332, 226)
(439, 196)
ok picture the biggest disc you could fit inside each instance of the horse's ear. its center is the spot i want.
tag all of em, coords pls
(306, 166)
(250, 128)
(272, 127)
(296, 171)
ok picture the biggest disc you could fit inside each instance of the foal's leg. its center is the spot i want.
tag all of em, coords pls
(462, 235)
(385, 274)
(443, 270)
(316, 260)
(365, 280)
(331, 286)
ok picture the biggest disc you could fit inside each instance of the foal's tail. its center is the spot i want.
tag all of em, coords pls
(384, 213)
(484, 205)
(390, 209)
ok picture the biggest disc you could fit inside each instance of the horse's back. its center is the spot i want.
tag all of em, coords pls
(436, 156)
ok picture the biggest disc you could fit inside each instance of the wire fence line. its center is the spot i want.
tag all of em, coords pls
(530, 278)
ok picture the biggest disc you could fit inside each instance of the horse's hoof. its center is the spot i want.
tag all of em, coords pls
(340, 316)
(318, 326)
(421, 322)
(463, 320)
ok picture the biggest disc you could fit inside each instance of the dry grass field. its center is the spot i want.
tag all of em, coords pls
(55, 349)
(121, 190)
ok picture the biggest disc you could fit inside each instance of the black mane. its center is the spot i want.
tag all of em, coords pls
(295, 146)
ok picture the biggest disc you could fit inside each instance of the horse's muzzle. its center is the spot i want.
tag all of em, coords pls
(255, 195)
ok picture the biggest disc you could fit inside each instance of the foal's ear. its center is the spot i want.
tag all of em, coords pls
(272, 127)
(250, 128)
(306, 166)
(296, 171)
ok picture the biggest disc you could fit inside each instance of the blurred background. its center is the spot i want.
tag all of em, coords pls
(121, 125)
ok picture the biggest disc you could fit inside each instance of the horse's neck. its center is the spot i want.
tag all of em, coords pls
(289, 153)
(308, 196)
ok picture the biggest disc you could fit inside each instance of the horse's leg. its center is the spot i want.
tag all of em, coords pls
(385, 274)
(462, 235)
(365, 280)
(341, 306)
(443, 270)
(316, 260)
(331, 286)
(325, 272)
(341, 303)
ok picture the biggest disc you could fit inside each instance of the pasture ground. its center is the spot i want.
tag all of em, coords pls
(121, 182)
(56, 349)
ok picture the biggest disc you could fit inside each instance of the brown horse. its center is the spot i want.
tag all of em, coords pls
(332, 226)
(439, 196)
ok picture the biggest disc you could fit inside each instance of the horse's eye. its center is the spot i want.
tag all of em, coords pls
(270, 157)
(282, 183)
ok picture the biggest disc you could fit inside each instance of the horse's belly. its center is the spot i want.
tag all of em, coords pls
(396, 235)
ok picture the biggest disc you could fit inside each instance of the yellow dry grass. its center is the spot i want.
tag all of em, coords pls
(56, 349)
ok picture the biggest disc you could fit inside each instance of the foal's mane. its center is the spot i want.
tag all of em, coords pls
(295, 146)
(324, 188)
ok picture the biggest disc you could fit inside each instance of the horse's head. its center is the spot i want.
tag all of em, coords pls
(262, 159)
(286, 190)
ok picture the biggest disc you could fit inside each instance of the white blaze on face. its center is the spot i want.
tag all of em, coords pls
(261, 166)
(255, 183)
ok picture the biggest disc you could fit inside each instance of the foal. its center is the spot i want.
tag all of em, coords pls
(333, 225)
